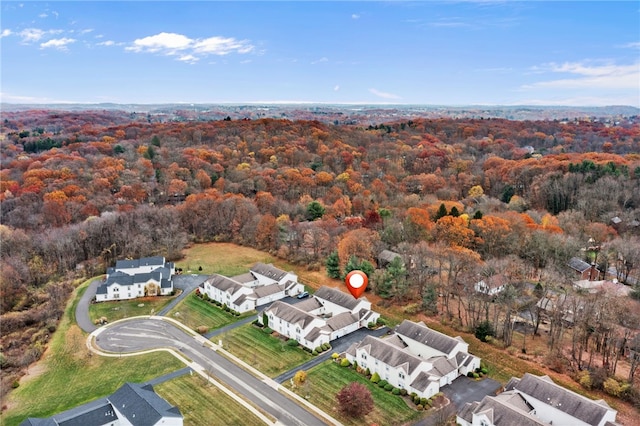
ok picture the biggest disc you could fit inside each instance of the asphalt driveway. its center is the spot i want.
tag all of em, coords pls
(464, 389)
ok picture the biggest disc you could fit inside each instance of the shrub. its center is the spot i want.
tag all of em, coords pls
(388, 387)
(371, 324)
(367, 372)
(470, 374)
(584, 378)
(314, 352)
(267, 330)
(403, 392)
(382, 383)
(335, 355)
(345, 363)
(15, 384)
(484, 330)
(420, 407)
(375, 378)
(476, 375)
(423, 401)
(395, 391)
(381, 321)
(612, 387)
(292, 342)
(484, 370)
(416, 400)
(202, 329)
(326, 346)
(412, 309)
(319, 349)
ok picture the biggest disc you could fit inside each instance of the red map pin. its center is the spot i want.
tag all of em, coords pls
(356, 282)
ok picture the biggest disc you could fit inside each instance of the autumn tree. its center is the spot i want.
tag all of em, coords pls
(354, 400)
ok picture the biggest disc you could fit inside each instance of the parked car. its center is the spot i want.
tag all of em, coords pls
(303, 295)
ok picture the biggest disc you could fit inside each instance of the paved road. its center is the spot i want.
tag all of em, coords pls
(464, 389)
(186, 283)
(82, 309)
(144, 334)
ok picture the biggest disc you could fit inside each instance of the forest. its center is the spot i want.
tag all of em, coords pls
(459, 200)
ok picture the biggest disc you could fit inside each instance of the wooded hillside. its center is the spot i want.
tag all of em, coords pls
(462, 198)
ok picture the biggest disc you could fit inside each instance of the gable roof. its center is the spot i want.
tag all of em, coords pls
(578, 264)
(223, 283)
(388, 255)
(340, 321)
(428, 337)
(136, 263)
(268, 290)
(268, 270)
(389, 354)
(290, 314)
(308, 305)
(494, 281)
(544, 389)
(336, 296)
(503, 410)
(141, 405)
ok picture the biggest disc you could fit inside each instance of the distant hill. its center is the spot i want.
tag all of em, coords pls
(346, 113)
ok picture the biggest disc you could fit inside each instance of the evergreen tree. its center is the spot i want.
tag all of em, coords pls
(442, 212)
(333, 265)
(454, 211)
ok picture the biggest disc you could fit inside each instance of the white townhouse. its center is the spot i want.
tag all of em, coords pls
(261, 285)
(492, 285)
(327, 315)
(536, 400)
(129, 279)
(415, 358)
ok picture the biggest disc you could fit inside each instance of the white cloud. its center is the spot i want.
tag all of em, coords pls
(632, 45)
(384, 95)
(321, 60)
(336, 88)
(5, 33)
(355, 16)
(57, 43)
(42, 15)
(607, 76)
(187, 49)
(106, 43)
(31, 34)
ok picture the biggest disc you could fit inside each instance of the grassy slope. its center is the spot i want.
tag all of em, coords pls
(73, 376)
(326, 380)
(116, 310)
(266, 353)
(194, 312)
(203, 404)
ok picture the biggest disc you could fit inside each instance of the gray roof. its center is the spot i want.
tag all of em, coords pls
(421, 333)
(223, 283)
(290, 313)
(340, 321)
(504, 410)
(141, 405)
(240, 300)
(268, 290)
(138, 403)
(442, 366)
(423, 381)
(308, 305)
(389, 354)
(245, 278)
(268, 270)
(165, 283)
(314, 333)
(578, 264)
(336, 296)
(543, 389)
(388, 255)
(136, 263)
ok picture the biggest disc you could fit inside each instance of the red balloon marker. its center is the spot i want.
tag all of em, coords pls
(356, 282)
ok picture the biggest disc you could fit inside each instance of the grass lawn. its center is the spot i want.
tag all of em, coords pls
(326, 380)
(68, 375)
(115, 310)
(202, 404)
(266, 353)
(223, 258)
(194, 312)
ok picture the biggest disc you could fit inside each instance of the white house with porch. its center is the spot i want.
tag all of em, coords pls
(263, 284)
(415, 358)
(328, 315)
(129, 279)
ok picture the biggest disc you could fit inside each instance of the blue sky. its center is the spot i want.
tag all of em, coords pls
(583, 53)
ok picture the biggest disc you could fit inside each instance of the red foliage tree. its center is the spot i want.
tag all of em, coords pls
(355, 400)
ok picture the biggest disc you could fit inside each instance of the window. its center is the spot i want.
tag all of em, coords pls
(401, 375)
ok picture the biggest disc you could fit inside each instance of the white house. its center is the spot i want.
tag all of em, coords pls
(328, 315)
(415, 358)
(261, 285)
(148, 276)
(130, 405)
(492, 285)
(536, 400)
